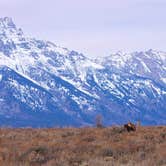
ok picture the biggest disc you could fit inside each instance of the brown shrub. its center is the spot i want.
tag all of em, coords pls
(36, 155)
(107, 152)
(84, 146)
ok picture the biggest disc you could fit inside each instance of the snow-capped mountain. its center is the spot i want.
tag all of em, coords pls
(42, 84)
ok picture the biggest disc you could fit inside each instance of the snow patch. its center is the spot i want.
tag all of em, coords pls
(163, 79)
(0, 77)
(145, 67)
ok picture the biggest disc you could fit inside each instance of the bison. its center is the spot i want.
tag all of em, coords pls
(130, 127)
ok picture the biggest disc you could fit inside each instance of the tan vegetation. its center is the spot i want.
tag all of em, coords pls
(112, 146)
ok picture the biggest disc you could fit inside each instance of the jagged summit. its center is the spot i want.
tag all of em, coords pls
(42, 84)
(10, 36)
(7, 22)
(7, 26)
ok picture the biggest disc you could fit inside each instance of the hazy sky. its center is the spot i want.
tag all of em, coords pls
(93, 27)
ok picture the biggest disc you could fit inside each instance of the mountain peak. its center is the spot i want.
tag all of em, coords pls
(42, 84)
(7, 22)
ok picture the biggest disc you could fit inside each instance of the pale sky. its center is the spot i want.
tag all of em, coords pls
(93, 27)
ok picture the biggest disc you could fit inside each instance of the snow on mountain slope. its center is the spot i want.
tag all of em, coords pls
(39, 78)
(22, 53)
(150, 64)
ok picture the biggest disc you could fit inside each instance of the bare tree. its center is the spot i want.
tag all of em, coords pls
(99, 121)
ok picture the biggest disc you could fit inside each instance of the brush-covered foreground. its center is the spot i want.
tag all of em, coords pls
(83, 147)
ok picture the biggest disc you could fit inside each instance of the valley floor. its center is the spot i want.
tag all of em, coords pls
(111, 146)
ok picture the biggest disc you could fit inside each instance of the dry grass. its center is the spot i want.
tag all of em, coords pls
(83, 147)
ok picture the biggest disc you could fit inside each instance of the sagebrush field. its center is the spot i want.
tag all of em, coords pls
(112, 146)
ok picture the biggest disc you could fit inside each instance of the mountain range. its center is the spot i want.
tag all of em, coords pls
(45, 85)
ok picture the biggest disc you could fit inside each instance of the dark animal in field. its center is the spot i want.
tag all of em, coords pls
(130, 127)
